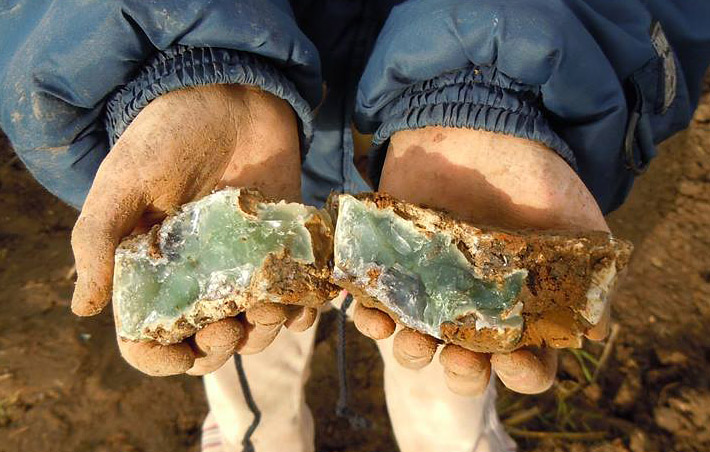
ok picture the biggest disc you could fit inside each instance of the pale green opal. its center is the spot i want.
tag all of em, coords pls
(208, 254)
(421, 277)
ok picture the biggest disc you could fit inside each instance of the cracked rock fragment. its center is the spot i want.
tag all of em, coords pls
(485, 289)
(217, 257)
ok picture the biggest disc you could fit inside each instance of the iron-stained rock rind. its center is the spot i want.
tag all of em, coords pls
(217, 257)
(566, 276)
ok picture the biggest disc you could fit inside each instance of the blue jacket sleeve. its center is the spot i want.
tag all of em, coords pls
(74, 74)
(600, 82)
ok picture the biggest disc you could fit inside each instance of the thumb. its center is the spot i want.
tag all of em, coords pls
(109, 213)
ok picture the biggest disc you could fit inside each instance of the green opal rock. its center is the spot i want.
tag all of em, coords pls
(485, 289)
(215, 258)
(423, 278)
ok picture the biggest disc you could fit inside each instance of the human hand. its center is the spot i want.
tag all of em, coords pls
(179, 148)
(490, 179)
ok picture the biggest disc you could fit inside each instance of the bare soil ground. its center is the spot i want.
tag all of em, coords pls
(64, 388)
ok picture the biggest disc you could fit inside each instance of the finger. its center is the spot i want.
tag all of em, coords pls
(263, 325)
(467, 373)
(600, 331)
(111, 210)
(372, 322)
(300, 318)
(412, 349)
(155, 359)
(215, 343)
(527, 371)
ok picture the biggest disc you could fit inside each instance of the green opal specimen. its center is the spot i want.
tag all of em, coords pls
(486, 289)
(207, 262)
(424, 279)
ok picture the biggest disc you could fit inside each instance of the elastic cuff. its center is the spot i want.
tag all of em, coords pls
(180, 67)
(478, 98)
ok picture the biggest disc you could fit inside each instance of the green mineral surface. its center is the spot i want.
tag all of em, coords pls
(421, 277)
(206, 257)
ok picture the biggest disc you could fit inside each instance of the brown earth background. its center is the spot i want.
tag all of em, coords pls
(64, 388)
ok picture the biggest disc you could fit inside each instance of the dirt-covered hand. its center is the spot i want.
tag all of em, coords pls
(492, 179)
(179, 148)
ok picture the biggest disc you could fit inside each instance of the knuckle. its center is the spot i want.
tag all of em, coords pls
(268, 315)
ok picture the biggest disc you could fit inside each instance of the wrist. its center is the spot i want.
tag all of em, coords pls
(488, 178)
